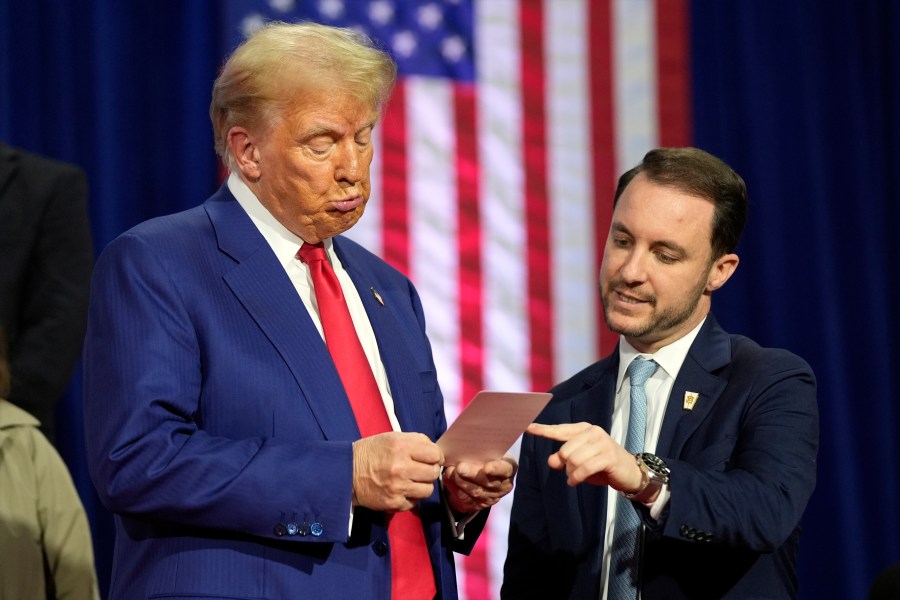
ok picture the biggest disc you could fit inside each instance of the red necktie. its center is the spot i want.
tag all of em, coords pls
(412, 577)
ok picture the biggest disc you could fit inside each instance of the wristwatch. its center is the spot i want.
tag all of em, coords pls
(655, 474)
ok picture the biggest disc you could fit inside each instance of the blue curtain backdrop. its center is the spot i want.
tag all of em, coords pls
(801, 97)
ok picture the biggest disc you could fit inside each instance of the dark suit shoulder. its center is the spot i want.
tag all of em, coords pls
(748, 356)
(35, 162)
(38, 175)
(176, 228)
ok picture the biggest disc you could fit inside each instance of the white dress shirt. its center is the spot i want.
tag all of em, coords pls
(658, 389)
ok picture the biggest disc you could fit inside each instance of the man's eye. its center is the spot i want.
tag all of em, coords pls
(666, 259)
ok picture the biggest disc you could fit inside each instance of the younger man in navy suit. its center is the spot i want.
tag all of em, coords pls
(707, 499)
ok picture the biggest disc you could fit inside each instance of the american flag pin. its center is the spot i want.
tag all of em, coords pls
(690, 399)
(377, 296)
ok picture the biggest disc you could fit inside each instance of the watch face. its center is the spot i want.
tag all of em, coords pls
(655, 464)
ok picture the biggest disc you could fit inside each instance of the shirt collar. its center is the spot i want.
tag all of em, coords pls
(670, 357)
(283, 242)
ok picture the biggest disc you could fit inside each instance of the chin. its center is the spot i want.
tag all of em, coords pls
(344, 223)
(629, 327)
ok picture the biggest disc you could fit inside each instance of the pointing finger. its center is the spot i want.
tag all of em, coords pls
(559, 433)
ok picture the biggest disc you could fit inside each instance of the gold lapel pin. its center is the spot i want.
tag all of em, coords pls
(690, 399)
(377, 296)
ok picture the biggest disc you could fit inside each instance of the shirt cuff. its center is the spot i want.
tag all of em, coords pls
(662, 499)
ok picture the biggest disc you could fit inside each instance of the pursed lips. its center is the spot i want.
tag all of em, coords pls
(347, 205)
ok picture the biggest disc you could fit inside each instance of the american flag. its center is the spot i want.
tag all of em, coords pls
(496, 162)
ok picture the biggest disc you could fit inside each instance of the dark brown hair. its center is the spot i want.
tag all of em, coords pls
(699, 173)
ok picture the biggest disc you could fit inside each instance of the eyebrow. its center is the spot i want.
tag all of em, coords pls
(318, 130)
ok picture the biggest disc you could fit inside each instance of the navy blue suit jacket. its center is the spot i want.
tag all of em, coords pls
(214, 414)
(743, 466)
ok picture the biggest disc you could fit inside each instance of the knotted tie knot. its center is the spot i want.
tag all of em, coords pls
(311, 252)
(640, 370)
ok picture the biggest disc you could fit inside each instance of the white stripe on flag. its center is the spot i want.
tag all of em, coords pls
(433, 223)
(571, 188)
(500, 132)
(634, 52)
(506, 365)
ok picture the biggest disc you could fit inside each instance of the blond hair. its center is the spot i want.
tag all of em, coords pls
(266, 72)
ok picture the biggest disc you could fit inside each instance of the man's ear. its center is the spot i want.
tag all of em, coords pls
(243, 149)
(721, 271)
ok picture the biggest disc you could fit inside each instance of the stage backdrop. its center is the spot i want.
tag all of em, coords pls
(495, 167)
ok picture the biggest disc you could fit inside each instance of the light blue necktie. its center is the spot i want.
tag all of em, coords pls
(624, 560)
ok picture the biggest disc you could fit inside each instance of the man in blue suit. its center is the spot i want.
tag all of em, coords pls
(221, 430)
(726, 453)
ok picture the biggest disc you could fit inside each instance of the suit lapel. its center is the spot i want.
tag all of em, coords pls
(404, 380)
(264, 289)
(710, 352)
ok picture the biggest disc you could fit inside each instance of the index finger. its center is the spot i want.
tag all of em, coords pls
(560, 433)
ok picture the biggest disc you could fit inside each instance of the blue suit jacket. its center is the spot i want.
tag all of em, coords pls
(214, 414)
(743, 466)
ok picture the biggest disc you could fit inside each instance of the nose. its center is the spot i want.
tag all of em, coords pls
(634, 268)
(351, 163)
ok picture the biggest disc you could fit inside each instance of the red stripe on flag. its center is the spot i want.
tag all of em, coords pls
(603, 133)
(471, 342)
(673, 76)
(537, 211)
(395, 197)
(471, 350)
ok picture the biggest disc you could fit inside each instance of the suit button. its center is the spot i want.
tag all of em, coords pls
(380, 548)
(281, 530)
(303, 528)
(685, 531)
(316, 529)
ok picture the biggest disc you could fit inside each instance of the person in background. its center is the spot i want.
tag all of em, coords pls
(261, 401)
(45, 541)
(46, 256)
(680, 465)
(886, 585)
